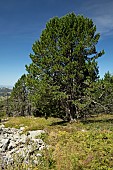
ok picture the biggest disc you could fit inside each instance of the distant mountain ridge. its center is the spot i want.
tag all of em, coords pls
(6, 86)
(5, 91)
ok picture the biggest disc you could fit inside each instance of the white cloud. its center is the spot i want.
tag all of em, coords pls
(102, 14)
(104, 24)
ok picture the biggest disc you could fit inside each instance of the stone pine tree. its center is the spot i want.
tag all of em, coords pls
(64, 63)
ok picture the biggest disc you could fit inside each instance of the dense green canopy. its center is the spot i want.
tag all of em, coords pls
(63, 65)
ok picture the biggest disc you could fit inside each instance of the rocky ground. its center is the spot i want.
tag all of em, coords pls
(14, 142)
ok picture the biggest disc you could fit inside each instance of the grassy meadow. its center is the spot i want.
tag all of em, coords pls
(81, 145)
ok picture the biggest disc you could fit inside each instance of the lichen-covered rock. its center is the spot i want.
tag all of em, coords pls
(14, 143)
(35, 133)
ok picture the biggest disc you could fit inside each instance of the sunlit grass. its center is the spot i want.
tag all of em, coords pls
(30, 123)
(100, 122)
(81, 145)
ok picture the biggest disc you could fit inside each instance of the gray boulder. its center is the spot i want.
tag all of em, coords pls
(14, 143)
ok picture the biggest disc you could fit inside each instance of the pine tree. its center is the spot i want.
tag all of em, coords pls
(64, 64)
(19, 101)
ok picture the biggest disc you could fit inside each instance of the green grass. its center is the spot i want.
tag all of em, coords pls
(100, 122)
(30, 123)
(81, 145)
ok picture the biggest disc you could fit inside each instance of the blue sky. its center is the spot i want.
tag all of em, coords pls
(22, 21)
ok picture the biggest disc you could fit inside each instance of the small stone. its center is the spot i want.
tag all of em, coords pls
(2, 126)
(35, 133)
(5, 144)
(38, 154)
(22, 128)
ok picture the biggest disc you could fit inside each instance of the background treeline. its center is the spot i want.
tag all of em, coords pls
(63, 77)
(99, 99)
(4, 97)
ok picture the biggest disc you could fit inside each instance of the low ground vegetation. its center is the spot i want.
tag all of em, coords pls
(81, 145)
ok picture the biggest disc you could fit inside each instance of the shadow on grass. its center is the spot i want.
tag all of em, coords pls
(90, 121)
(62, 123)
(97, 121)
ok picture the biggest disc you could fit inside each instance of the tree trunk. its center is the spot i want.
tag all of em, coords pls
(70, 112)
